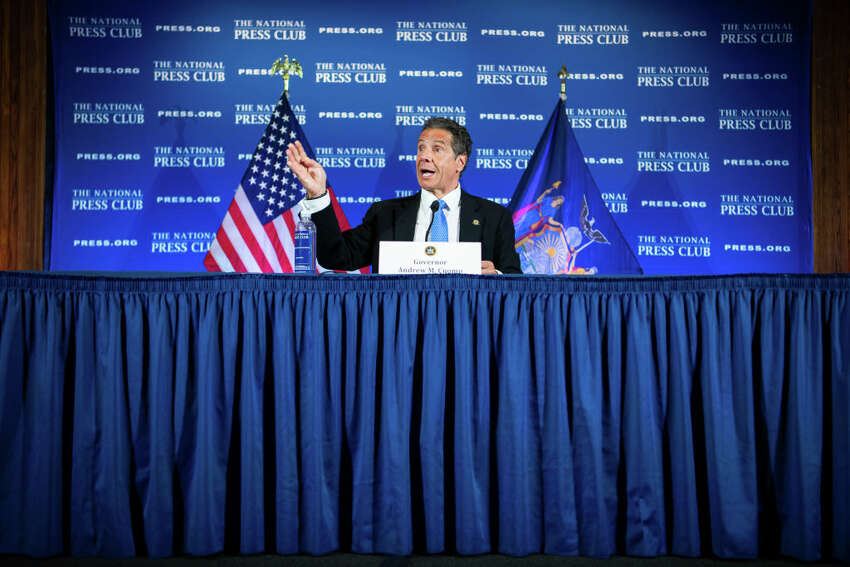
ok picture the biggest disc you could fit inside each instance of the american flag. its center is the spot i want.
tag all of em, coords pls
(257, 232)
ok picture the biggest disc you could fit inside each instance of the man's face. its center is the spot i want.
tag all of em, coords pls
(437, 167)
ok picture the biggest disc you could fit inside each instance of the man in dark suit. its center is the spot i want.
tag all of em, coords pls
(441, 211)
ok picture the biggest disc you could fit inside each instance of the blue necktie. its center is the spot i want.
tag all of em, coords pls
(439, 226)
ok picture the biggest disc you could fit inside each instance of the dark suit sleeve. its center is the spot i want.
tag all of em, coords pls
(349, 250)
(506, 258)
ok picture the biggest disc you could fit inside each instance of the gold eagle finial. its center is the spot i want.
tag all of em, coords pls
(285, 68)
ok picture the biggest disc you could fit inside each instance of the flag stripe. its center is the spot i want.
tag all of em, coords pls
(265, 249)
(274, 238)
(211, 261)
(227, 248)
(240, 247)
(290, 229)
(216, 260)
(250, 241)
(286, 237)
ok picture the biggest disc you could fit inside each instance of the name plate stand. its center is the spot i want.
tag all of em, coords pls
(429, 257)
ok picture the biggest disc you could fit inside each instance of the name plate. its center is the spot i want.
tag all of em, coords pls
(429, 257)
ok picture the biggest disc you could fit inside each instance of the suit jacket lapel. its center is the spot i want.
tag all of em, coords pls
(405, 219)
(471, 222)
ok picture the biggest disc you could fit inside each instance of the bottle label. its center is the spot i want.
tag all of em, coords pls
(305, 252)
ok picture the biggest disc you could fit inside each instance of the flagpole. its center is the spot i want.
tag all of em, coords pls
(563, 74)
(257, 233)
(554, 228)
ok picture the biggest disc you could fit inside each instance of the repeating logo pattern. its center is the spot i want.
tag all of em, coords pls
(693, 123)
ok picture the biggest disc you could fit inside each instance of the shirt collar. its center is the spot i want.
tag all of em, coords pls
(452, 199)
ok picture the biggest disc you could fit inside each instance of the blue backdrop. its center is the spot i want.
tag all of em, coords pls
(694, 120)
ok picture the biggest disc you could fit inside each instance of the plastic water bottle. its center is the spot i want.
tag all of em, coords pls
(305, 246)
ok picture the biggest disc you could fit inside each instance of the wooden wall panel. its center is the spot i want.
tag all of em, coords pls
(23, 102)
(23, 86)
(831, 135)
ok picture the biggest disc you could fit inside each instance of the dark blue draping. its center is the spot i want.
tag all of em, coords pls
(645, 416)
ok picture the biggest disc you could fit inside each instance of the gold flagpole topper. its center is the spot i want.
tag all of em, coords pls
(285, 68)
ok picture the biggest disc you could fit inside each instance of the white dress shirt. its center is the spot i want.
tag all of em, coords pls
(423, 215)
(452, 212)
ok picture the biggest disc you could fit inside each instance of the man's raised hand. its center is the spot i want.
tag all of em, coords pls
(309, 172)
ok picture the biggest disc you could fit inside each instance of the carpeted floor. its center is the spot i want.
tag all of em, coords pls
(355, 560)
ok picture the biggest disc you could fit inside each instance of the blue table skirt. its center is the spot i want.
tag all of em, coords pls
(164, 414)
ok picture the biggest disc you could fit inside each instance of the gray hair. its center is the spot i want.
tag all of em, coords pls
(461, 141)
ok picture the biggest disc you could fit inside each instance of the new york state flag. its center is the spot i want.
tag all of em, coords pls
(562, 223)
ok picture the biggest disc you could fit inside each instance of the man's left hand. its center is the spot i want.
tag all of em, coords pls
(487, 267)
